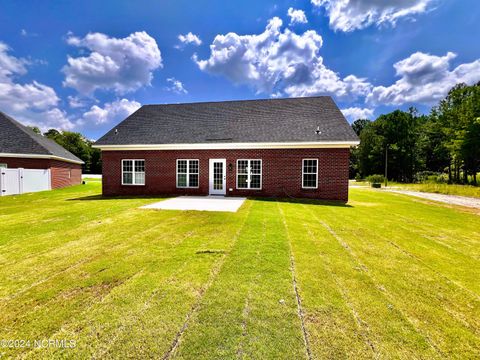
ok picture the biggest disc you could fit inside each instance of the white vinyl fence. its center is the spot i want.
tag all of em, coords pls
(19, 181)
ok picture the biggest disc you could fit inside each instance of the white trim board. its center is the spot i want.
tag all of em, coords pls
(39, 156)
(229, 146)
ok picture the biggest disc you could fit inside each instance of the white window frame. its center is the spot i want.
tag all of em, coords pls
(188, 174)
(133, 172)
(249, 174)
(316, 174)
(3, 165)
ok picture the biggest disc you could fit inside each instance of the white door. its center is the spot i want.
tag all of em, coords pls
(35, 180)
(10, 181)
(218, 177)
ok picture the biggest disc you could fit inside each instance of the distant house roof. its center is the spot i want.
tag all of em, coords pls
(17, 140)
(251, 122)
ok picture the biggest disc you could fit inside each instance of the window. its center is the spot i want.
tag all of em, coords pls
(187, 173)
(133, 172)
(310, 174)
(3, 165)
(249, 174)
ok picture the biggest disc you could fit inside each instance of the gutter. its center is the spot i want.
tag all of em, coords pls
(39, 156)
(231, 146)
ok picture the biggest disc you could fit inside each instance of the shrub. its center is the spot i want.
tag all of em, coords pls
(358, 177)
(425, 176)
(375, 179)
(442, 179)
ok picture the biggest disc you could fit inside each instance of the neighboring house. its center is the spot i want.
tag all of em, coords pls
(296, 147)
(21, 148)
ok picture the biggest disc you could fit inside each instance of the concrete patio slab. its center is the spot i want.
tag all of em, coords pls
(199, 203)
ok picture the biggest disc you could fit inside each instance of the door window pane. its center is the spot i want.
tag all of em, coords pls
(218, 175)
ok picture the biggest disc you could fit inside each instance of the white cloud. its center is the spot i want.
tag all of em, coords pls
(176, 86)
(355, 113)
(349, 15)
(188, 39)
(425, 79)
(18, 97)
(297, 16)
(31, 103)
(26, 33)
(111, 112)
(10, 65)
(76, 102)
(121, 65)
(279, 63)
(53, 118)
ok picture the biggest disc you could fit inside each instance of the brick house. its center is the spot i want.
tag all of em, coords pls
(20, 147)
(295, 147)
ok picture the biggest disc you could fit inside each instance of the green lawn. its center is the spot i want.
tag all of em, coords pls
(387, 276)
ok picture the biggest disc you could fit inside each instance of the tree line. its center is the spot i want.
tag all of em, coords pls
(79, 146)
(443, 145)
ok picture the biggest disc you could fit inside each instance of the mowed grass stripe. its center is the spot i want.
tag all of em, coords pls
(133, 261)
(120, 232)
(178, 294)
(330, 326)
(442, 311)
(454, 266)
(353, 318)
(250, 311)
(301, 313)
(434, 218)
(58, 209)
(140, 316)
(63, 219)
(408, 236)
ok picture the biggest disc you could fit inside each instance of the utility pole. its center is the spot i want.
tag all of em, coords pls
(386, 165)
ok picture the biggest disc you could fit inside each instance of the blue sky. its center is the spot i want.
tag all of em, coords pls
(84, 66)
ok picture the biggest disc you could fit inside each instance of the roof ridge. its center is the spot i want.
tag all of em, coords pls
(29, 132)
(241, 100)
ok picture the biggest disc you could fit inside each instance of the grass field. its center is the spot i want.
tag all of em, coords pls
(386, 276)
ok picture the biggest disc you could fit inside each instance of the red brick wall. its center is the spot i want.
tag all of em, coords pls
(65, 174)
(25, 163)
(62, 173)
(281, 172)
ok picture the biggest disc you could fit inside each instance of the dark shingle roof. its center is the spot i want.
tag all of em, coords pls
(248, 121)
(18, 139)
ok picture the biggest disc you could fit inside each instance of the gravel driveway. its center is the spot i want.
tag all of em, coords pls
(448, 199)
